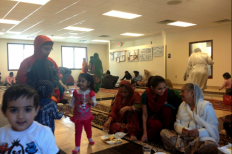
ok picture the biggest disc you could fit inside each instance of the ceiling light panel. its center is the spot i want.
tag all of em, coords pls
(100, 40)
(1, 33)
(120, 14)
(13, 32)
(181, 24)
(132, 34)
(5, 21)
(78, 29)
(39, 2)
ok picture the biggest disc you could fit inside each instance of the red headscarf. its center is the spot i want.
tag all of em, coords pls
(156, 106)
(134, 97)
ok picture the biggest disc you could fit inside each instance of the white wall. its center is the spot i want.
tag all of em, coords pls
(102, 50)
(156, 66)
(178, 46)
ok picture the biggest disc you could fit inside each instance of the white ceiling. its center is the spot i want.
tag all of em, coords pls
(51, 18)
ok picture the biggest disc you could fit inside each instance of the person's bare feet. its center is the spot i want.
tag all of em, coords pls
(133, 138)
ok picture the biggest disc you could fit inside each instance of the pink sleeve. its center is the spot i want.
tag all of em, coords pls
(92, 94)
(7, 80)
(223, 85)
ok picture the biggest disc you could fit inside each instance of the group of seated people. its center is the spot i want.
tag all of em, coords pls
(184, 122)
(137, 80)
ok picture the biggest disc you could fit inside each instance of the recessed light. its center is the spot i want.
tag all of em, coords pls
(40, 2)
(73, 33)
(181, 24)
(1, 33)
(5, 21)
(132, 34)
(11, 32)
(120, 14)
(78, 29)
(100, 40)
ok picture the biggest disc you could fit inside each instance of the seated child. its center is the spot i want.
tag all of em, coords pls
(23, 134)
(48, 109)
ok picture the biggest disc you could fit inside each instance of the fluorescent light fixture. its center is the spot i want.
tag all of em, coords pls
(100, 40)
(181, 24)
(73, 33)
(39, 2)
(132, 34)
(73, 37)
(1, 33)
(78, 29)
(5, 21)
(11, 32)
(120, 14)
(56, 37)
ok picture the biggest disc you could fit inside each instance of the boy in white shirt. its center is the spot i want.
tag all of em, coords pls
(23, 135)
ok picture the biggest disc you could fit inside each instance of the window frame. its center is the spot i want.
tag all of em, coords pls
(8, 61)
(73, 56)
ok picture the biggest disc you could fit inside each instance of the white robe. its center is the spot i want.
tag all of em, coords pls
(197, 69)
(202, 118)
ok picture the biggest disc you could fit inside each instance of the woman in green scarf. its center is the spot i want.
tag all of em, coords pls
(98, 71)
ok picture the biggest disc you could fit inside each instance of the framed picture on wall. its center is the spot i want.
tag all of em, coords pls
(206, 47)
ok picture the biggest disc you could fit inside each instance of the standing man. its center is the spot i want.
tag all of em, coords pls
(39, 66)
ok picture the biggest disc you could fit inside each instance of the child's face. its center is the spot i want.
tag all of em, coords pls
(21, 113)
(56, 88)
(83, 83)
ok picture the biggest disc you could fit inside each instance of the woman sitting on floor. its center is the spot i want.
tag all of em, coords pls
(124, 116)
(145, 79)
(157, 108)
(196, 126)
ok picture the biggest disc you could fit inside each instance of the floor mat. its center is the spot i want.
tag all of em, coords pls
(123, 149)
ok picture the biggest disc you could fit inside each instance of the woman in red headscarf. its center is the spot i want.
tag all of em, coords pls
(158, 107)
(124, 116)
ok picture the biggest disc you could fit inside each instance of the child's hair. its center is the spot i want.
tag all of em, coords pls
(227, 75)
(44, 88)
(155, 80)
(17, 91)
(89, 78)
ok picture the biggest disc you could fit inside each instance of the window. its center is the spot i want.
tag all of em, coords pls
(72, 57)
(17, 53)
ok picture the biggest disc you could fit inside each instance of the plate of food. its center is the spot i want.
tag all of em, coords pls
(111, 139)
(226, 149)
(120, 134)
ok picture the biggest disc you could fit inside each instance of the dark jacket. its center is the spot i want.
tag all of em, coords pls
(128, 77)
(109, 81)
(35, 67)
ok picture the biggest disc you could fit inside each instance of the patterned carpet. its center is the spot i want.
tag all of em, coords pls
(217, 105)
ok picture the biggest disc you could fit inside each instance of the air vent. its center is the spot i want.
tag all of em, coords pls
(82, 40)
(223, 21)
(104, 36)
(166, 21)
(175, 2)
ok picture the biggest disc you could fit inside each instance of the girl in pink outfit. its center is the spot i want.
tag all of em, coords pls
(82, 101)
(227, 83)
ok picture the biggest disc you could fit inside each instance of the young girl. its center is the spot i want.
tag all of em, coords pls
(82, 115)
(227, 83)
